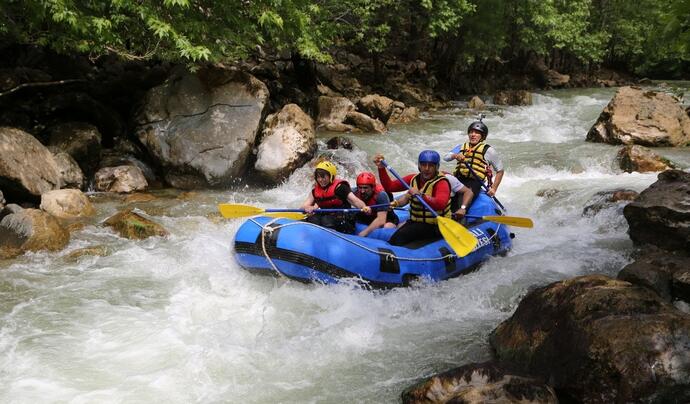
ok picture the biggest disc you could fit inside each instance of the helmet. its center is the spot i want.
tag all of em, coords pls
(328, 167)
(366, 178)
(479, 127)
(429, 156)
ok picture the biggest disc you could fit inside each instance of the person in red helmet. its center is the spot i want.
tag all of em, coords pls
(431, 185)
(330, 192)
(373, 194)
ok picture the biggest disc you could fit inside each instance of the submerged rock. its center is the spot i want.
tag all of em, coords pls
(30, 230)
(134, 226)
(641, 159)
(479, 383)
(606, 199)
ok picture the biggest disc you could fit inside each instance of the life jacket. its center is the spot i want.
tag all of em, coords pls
(326, 197)
(371, 201)
(418, 213)
(475, 157)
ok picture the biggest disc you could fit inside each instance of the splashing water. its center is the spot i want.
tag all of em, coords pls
(176, 319)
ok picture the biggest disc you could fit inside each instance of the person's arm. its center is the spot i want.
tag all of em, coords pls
(450, 156)
(309, 204)
(493, 158)
(403, 200)
(386, 182)
(355, 201)
(379, 221)
(467, 196)
(496, 183)
(439, 196)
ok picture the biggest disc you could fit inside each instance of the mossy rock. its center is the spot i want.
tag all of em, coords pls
(134, 226)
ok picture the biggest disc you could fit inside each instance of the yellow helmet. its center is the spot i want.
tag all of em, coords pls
(328, 167)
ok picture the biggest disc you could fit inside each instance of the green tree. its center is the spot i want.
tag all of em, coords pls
(192, 30)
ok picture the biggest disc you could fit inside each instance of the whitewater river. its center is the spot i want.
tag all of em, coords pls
(177, 320)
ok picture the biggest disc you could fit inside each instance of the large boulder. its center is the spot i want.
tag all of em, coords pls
(67, 203)
(599, 340)
(80, 140)
(641, 159)
(27, 168)
(661, 213)
(479, 383)
(201, 127)
(646, 118)
(287, 143)
(30, 230)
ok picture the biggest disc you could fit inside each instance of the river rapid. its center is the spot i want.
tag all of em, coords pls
(177, 320)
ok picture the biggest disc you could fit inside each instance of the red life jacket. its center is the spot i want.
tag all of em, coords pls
(371, 201)
(326, 198)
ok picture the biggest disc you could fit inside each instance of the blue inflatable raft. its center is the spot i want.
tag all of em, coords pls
(307, 252)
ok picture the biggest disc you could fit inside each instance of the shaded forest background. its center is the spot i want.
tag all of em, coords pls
(456, 38)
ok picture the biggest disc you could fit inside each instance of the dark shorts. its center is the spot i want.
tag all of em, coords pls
(338, 222)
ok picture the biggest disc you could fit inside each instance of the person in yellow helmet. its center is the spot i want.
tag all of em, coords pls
(330, 192)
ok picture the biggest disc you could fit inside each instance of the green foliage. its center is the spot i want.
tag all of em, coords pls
(644, 35)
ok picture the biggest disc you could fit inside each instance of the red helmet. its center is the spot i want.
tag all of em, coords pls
(366, 178)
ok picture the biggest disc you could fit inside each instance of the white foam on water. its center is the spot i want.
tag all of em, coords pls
(176, 319)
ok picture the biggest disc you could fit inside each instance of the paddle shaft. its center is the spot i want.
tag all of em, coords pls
(333, 210)
(419, 197)
(483, 185)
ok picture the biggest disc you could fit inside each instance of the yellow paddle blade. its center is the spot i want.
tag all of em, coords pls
(511, 220)
(231, 210)
(287, 215)
(457, 236)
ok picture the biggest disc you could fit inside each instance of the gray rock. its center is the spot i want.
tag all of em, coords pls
(121, 179)
(640, 117)
(660, 215)
(201, 127)
(27, 168)
(597, 339)
(287, 143)
(80, 140)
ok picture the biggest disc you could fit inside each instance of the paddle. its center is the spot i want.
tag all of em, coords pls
(231, 211)
(469, 167)
(458, 237)
(509, 220)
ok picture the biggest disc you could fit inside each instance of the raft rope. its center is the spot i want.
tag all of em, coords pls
(265, 229)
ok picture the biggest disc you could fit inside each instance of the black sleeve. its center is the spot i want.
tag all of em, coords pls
(343, 190)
